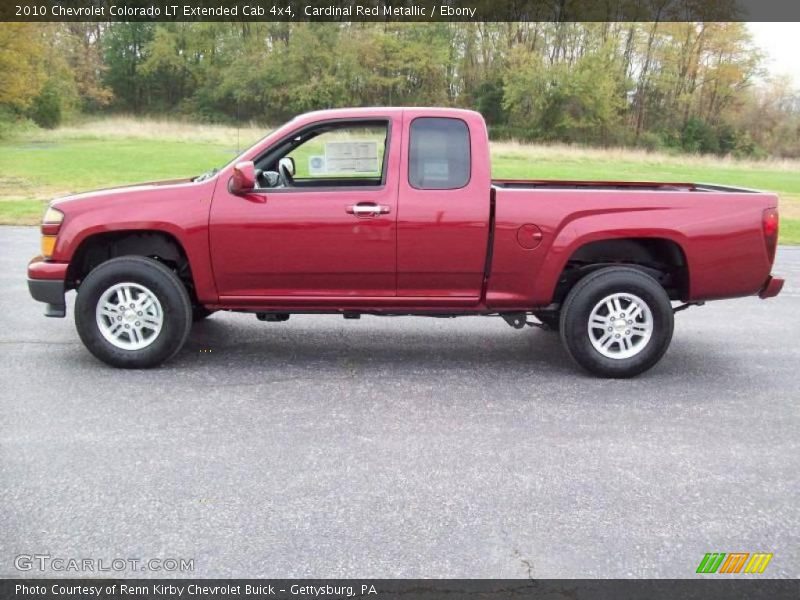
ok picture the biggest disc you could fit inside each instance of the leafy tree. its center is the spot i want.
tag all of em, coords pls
(488, 100)
(46, 107)
(80, 47)
(691, 85)
(699, 136)
(23, 48)
(125, 47)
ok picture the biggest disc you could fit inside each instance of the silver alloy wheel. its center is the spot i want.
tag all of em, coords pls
(620, 326)
(129, 316)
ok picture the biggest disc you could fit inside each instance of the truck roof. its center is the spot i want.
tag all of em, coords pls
(388, 110)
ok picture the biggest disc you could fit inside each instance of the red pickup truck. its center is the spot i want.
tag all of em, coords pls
(393, 211)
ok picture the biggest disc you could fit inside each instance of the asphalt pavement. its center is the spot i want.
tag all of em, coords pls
(399, 447)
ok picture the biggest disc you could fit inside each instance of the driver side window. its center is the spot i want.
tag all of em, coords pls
(334, 155)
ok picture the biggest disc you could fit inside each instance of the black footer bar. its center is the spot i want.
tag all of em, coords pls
(398, 589)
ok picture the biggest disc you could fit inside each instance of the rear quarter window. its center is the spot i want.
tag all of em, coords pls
(438, 154)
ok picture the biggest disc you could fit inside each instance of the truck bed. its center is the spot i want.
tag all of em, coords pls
(718, 231)
(645, 186)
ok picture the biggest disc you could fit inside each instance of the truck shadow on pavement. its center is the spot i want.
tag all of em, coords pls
(449, 346)
(223, 343)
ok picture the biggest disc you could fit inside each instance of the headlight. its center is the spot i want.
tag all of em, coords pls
(52, 216)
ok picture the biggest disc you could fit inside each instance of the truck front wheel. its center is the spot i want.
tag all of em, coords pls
(133, 312)
(550, 320)
(617, 322)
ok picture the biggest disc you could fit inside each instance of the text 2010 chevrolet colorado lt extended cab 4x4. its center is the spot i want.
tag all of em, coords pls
(393, 211)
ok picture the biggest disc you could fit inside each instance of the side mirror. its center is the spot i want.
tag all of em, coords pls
(287, 163)
(244, 178)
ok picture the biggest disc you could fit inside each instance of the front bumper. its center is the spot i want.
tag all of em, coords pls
(46, 283)
(772, 288)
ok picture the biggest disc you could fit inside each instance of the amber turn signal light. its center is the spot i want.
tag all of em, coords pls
(48, 244)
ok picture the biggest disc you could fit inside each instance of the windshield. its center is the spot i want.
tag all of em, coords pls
(210, 173)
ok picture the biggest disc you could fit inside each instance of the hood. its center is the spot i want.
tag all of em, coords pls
(118, 190)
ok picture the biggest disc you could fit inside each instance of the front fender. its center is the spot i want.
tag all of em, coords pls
(180, 211)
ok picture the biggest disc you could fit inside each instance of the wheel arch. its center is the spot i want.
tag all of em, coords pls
(99, 247)
(661, 256)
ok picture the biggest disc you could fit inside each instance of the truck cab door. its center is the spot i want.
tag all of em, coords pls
(444, 207)
(323, 234)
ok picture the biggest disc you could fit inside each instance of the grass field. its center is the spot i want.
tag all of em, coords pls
(115, 151)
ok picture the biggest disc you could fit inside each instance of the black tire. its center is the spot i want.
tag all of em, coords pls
(550, 320)
(588, 293)
(200, 313)
(164, 285)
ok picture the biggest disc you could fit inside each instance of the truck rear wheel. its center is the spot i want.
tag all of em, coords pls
(133, 312)
(617, 322)
(201, 313)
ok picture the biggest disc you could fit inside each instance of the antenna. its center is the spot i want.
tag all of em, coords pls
(237, 124)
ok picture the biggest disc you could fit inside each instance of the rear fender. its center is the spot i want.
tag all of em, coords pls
(582, 231)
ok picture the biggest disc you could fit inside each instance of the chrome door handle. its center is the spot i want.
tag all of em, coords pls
(368, 209)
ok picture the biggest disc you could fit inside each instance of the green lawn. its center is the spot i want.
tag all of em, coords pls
(790, 231)
(31, 169)
(32, 172)
(786, 183)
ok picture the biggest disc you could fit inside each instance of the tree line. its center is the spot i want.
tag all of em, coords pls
(692, 86)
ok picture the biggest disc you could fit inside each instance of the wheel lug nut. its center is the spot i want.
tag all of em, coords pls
(119, 318)
(621, 315)
(140, 314)
(627, 332)
(611, 329)
(137, 323)
(616, 336)
(128, 327)
(612, 318)
(629, 322)
(132, 305)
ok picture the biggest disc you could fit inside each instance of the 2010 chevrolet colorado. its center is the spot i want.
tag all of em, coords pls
(393, 211)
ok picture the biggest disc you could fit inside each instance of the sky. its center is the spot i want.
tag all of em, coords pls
(781, 43)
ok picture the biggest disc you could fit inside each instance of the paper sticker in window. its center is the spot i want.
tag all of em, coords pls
(351, 157)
